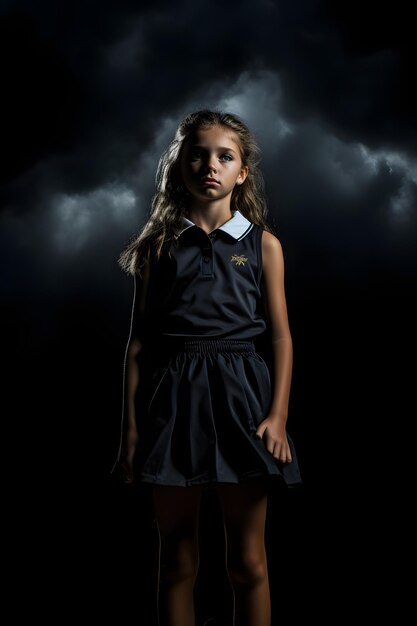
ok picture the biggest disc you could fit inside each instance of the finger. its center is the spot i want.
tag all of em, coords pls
(270, 445)
(128, 477)
(286, 454)
(277, 451)
(127, 473)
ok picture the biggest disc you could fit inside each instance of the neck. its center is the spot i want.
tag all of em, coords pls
(209, 217)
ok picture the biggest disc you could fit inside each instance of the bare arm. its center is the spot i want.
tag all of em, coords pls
(276, 310)
(132, 376)
(132, 382)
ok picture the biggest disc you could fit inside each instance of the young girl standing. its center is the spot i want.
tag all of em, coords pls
(202, 408)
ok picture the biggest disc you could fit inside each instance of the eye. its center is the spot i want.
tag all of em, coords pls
(195, 155)
(228, 157)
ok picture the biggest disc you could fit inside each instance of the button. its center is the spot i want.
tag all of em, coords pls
(206, 260)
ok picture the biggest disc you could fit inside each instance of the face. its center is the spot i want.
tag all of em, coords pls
(214, 154)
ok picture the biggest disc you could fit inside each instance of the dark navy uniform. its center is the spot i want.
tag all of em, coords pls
(204, 388)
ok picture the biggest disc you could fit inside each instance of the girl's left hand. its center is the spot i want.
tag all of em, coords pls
(276, 438)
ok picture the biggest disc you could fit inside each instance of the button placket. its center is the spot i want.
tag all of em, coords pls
(207, 258)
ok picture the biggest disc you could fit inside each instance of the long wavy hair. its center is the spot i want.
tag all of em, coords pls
(170, 203)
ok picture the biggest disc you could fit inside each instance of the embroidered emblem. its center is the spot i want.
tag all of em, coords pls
(239, 259)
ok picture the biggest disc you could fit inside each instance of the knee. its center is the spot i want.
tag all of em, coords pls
(179, 568)
(249, 570)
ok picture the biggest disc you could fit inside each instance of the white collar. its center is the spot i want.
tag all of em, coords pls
(237, 226)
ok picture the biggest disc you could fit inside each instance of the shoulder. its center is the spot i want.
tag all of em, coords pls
(272, 255)
(269, 240)
(271, 245)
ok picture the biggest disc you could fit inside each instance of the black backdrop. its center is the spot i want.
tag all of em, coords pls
(79, 537)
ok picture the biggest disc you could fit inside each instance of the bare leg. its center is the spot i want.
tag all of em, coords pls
(244, 509)
(177, 514)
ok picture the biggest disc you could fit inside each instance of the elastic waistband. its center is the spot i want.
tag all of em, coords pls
(209, 346)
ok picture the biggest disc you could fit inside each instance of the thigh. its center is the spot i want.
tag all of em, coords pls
(177, 509)
(244, 507)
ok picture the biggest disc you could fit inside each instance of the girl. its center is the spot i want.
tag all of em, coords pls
(202, 408)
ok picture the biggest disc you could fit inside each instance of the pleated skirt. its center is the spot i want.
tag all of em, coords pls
(198, 407)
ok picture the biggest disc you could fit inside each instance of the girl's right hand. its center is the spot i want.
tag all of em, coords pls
(127, 471)
(126, 465)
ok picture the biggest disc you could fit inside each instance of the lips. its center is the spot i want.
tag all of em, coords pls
(210, 180)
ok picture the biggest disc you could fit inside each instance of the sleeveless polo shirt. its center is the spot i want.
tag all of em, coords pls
(210, 286)
(199, 411)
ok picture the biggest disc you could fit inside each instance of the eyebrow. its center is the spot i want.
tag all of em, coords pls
(195, 145)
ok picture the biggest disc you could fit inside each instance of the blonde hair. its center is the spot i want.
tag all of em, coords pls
(169, 204)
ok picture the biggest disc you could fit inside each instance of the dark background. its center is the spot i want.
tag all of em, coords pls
(91, 94)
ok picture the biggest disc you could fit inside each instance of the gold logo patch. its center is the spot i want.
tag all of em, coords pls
(239, 259)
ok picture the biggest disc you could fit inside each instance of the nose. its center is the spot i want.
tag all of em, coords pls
(211, 163)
